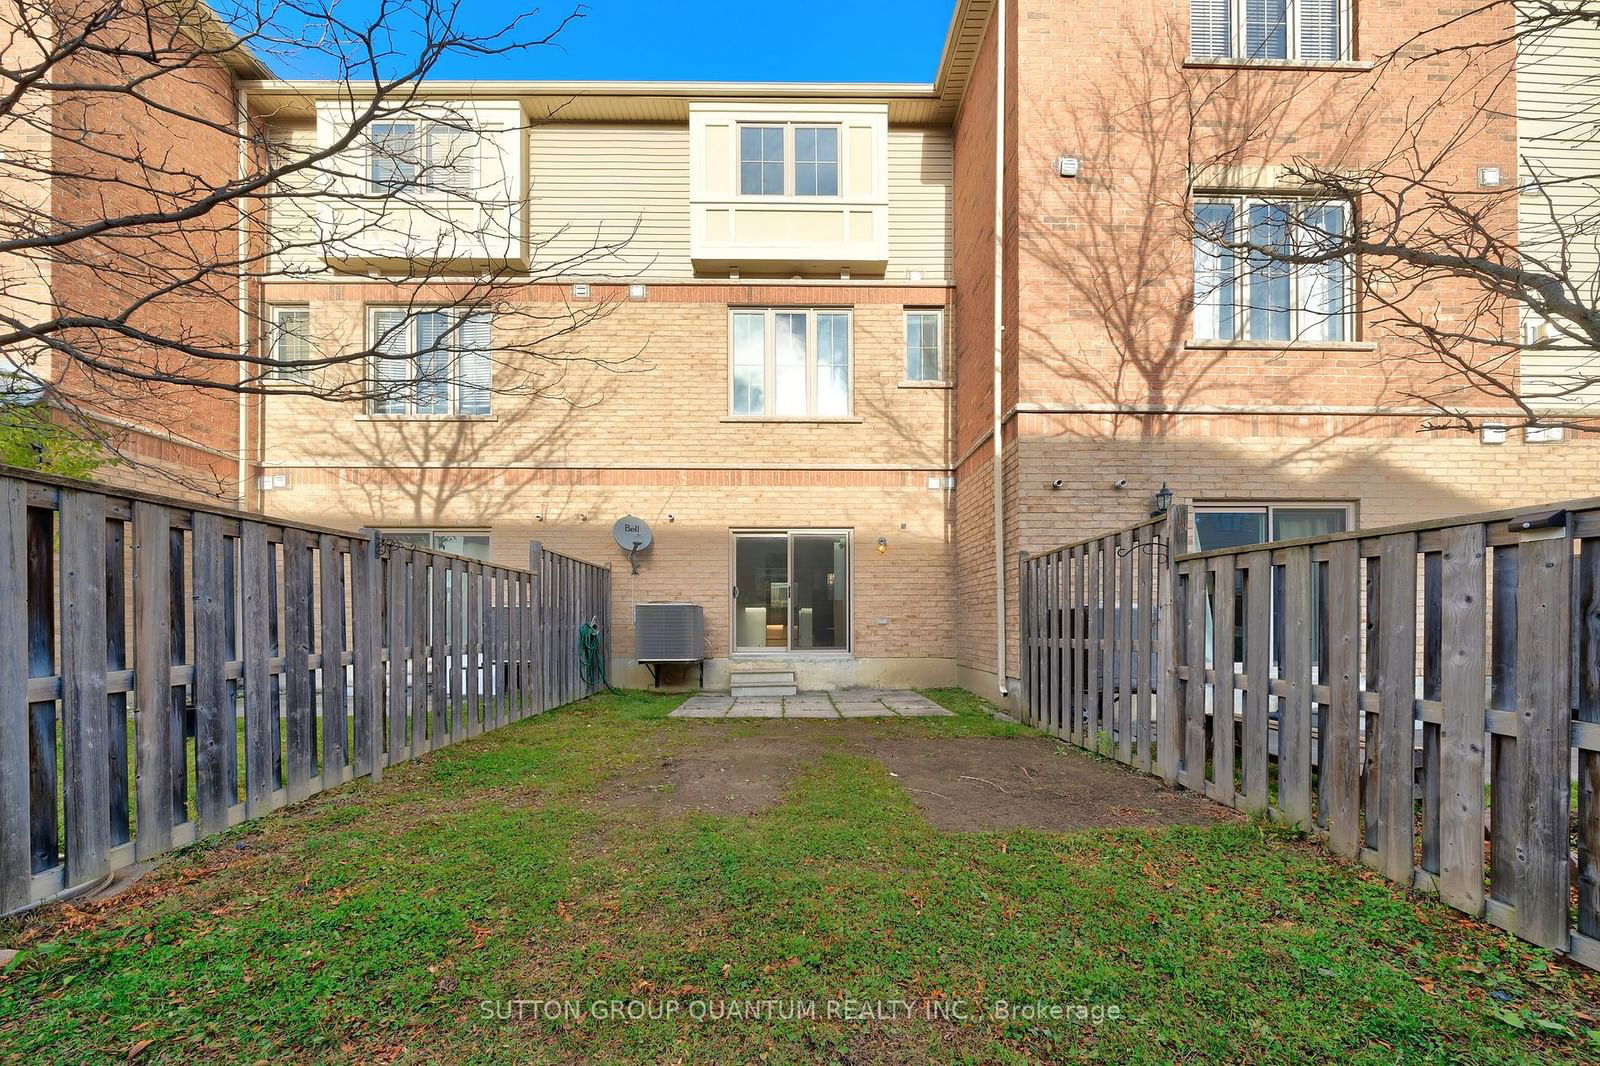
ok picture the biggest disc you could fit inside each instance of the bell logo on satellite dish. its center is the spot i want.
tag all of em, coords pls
(632, 535)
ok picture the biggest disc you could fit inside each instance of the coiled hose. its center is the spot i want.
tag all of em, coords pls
(591, 656)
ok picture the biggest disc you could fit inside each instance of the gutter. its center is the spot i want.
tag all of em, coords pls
(997, 475)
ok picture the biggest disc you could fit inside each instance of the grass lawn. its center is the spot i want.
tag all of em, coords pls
(375, 922)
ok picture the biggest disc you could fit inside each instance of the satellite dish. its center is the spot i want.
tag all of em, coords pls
(632, 535)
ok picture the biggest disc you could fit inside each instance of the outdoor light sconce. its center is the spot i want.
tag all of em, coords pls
(883, 545)
(1163, 501)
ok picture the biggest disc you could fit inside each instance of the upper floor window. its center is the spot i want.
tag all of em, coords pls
(765, 151)
(289, 341)
(1308, 30)
(411, 155)
(925, 345)
(1256, 295)
(430, 362)
(790, 362)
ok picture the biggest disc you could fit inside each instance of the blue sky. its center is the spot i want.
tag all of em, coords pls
(695, 40)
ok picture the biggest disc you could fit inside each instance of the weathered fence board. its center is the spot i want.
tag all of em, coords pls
(1386, 674)
(341, 653)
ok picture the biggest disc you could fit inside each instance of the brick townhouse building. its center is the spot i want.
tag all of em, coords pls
(849, 349)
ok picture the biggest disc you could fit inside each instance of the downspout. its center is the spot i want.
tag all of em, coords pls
(998, 472)
(242, 118)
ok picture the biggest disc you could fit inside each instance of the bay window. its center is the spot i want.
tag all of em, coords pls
(765, 152)
(1243, 288)
(434, 156)
(1304, 30)
(430, 362)
(790, 362)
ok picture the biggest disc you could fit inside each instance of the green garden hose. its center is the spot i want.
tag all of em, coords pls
(591, 657)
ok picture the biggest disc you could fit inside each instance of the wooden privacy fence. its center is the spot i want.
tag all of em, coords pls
(1418, 696)
(167, 671)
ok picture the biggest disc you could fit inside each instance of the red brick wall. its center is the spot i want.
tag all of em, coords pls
(114, 156)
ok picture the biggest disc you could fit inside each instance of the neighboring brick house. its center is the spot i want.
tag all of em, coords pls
(84, 152)
(788, 355)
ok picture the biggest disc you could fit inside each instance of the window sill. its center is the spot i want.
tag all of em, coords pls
(427, 418)
(1233, 63)
(926, 385)
(804, 419)
(1281, 346)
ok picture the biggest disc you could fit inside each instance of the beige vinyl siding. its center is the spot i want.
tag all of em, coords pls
(1558, 127)
(609, 201)
(296, 233)
(921, 177)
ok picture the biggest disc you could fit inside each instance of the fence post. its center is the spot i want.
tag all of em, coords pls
(16, 869)
(1169, 733)
(541, 641)
(605, 632)
(1024, 641)
(366, 613)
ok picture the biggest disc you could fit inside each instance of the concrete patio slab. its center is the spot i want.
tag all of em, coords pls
(809, 707)
(703, 705)
(864, 709)
(914, 705)
(846, 703)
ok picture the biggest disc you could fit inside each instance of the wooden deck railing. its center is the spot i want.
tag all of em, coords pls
(167, 670)
(1416, 695)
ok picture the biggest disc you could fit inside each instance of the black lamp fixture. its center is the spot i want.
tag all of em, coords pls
(1163, 501)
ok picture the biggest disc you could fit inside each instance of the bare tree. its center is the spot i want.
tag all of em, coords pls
(144, 205)
(1488, 280)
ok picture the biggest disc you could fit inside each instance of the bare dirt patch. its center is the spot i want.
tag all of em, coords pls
(1031, 783)
(726, 774)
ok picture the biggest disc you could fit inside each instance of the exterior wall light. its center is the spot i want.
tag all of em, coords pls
(883, 545)
(1163, 501)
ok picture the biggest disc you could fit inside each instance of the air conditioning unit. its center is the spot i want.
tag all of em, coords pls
(669, 632)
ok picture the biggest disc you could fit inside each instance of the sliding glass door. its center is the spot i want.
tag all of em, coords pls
(791, 591)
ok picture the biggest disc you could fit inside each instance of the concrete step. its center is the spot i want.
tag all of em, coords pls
(761, 677)
(745, 691)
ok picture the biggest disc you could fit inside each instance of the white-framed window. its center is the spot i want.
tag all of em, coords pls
(435, 156)
(1306, 30)
(789, 362)
(1252, 295)
(780, 159)
(924, 344)
(472, 543)
(430, 361)
(1235, 525)
(289, 340)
